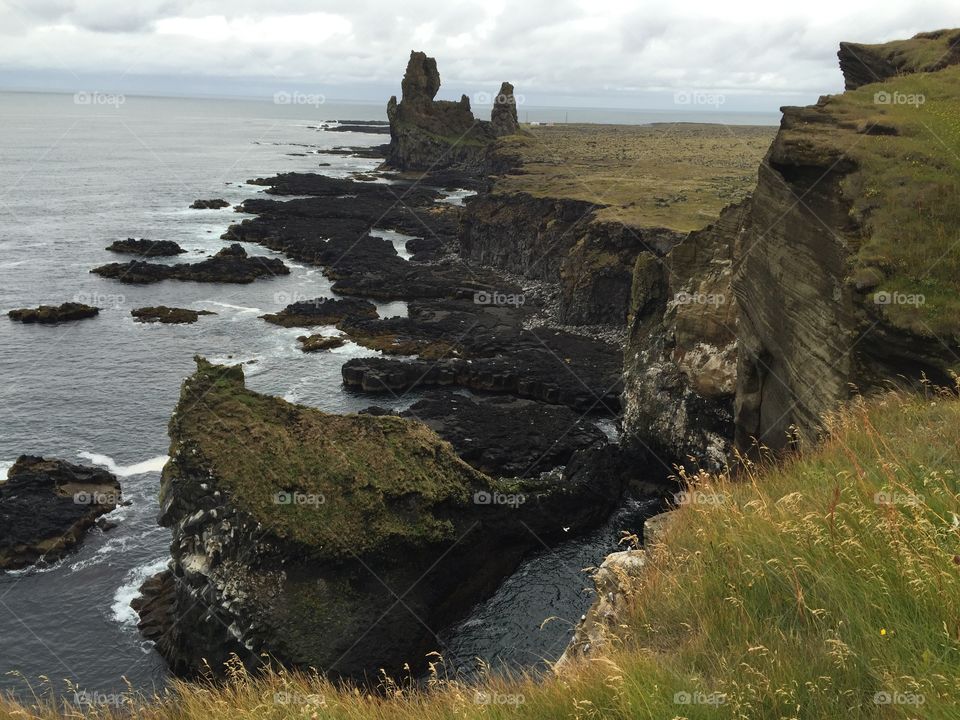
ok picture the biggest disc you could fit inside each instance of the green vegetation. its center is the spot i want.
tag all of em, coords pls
(340, 483)
(818, 588)
(904, 135)
(677, 176)
(925, 52)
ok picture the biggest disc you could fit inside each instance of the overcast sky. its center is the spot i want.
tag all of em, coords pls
(594, 53)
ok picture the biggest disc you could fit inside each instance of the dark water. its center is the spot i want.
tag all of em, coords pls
(77, 177)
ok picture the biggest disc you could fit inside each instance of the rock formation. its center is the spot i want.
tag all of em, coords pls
(146, 248)
(168, 315)
(428, 134)
(51, 314)
(230, 265)
(323, 540)
(46, 507)
(924, 52)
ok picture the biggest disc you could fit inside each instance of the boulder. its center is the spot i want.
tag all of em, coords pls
(215, 204)
(146, 248)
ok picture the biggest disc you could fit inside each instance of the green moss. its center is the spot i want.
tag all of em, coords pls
(358, 483)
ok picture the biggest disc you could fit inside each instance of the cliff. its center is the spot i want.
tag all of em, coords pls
(325, 541)
(847, 277)
(428, 134)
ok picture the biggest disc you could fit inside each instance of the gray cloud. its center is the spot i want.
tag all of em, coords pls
(615, 53)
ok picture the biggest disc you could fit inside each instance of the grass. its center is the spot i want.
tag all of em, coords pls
(800, 590)
(368, 483)
(677, 176)
(905, 193)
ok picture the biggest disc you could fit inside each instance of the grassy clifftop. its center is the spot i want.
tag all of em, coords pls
(672, 175)
(340, 483)
(825, 587)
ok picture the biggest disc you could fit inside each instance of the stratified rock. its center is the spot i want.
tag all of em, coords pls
(230, 265)
(46, 506)
(322, 311)
(169, 315)
(287, 522)
(503, 116)
(924, 52)
(146, 248)
(49, 314)
(318, 343)
(209, 204)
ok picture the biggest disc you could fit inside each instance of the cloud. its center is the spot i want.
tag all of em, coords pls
(614, 52)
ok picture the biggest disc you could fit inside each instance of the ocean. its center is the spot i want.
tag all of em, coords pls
(81, 173)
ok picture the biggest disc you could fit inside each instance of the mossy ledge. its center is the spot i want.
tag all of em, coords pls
(296, 531)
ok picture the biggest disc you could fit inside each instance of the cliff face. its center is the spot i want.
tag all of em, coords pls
(428, 134)
(323, 540)
(924, 52)
(681, 354)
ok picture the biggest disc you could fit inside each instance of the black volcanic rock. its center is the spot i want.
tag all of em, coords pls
(50, 314)
(322, 311)
(146, 248)
(46, 506)
(168, 315)
(318, 343)
(506, 436)
(215, 204)
(230, 265)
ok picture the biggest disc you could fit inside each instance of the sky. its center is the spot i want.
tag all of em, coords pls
(708, 54)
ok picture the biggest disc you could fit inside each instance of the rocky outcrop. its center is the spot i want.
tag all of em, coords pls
(230, 265)
(293, 530)
(168, 315)
(322, 311)
(146, 248)
(319, 343)
(52, 314)
(680, 360)
(428, 134)
(924, 52)
(215, 204)
(503, 116)
(47, 506)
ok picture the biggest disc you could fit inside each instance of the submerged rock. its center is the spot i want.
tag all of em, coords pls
(289, 523)
(46, 507)
(49, 314)
(164, 314)
(230, 265)
(146, 248)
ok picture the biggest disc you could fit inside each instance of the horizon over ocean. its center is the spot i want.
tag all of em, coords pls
(100, 391)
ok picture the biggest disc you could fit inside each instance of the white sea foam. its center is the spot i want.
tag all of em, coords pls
(240, 308)
(120, 610)
(154, 464)
(5, 466)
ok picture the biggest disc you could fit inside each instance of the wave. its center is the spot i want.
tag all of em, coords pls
(154, 464)
(241, 308)
(120, 609)
(5, 466)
